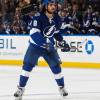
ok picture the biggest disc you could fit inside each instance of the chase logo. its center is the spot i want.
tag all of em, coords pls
(89, 47)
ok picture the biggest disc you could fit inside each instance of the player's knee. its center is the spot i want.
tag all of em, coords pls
(57, 72)
(28, 66)
(56, 69)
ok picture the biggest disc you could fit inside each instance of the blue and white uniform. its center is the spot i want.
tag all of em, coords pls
(42, 37)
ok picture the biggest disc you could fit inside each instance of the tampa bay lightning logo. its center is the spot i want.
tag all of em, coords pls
(49, 31)
(89, 47)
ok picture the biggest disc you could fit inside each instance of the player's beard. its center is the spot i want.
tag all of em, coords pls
(50, 12)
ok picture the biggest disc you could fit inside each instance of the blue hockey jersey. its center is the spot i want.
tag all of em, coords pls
(45, 30)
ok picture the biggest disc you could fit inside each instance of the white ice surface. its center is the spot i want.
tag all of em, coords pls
(82, 84)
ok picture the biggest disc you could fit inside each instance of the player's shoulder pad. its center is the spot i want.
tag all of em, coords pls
(57, 17)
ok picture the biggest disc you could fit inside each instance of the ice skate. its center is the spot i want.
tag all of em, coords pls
(19, 93)
(63, 92)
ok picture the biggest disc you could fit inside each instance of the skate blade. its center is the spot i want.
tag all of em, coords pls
(18, 98)
(64, 97)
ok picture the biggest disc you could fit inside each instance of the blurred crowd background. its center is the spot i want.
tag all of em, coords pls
(78, 16)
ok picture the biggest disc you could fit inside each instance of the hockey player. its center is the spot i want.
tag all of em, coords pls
(45, 29)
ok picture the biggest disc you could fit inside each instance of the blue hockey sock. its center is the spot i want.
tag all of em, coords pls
(60, 82)
(23, 80)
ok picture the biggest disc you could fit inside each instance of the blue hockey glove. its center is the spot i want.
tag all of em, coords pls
(64, 46)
